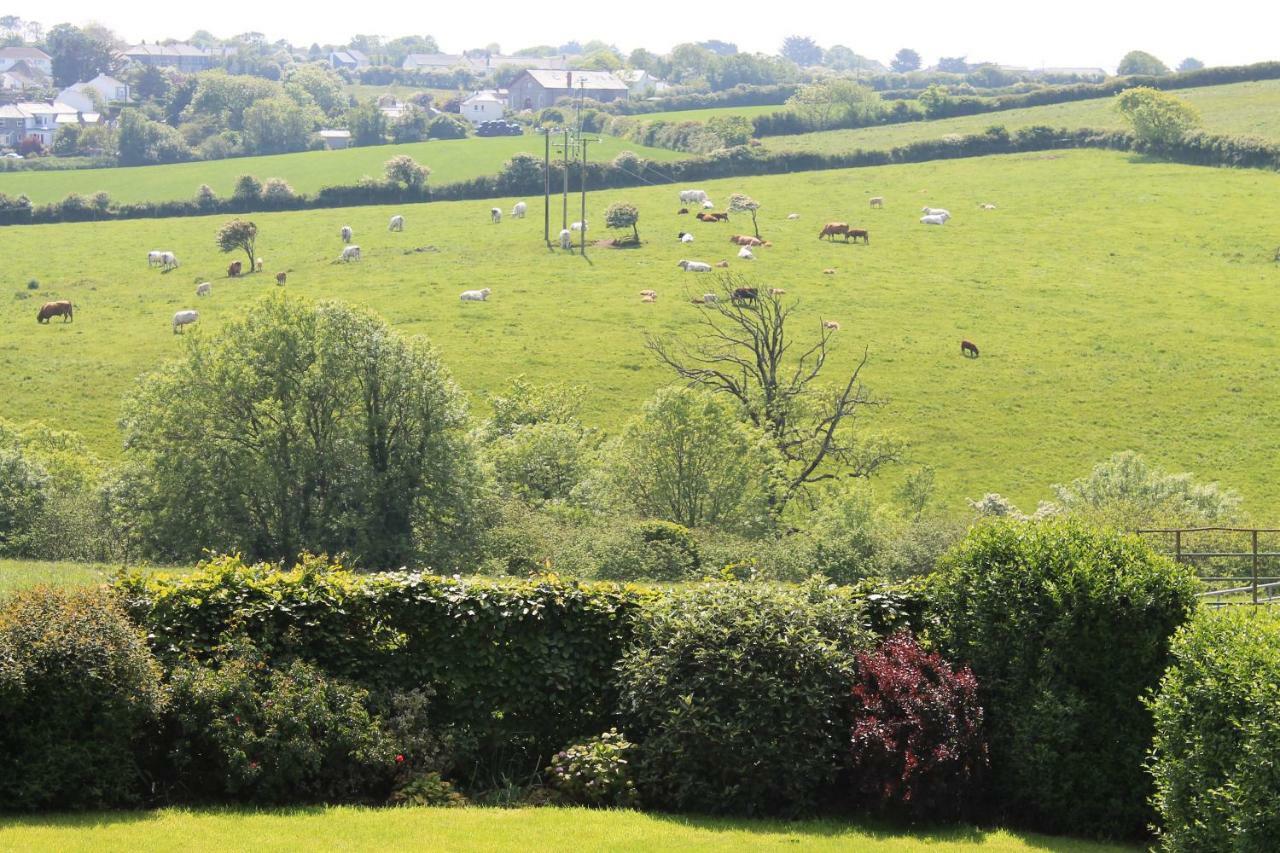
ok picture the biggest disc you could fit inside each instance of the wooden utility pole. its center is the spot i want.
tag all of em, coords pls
(546, 187)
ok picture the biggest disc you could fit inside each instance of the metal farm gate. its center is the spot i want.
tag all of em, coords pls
(1237, 565)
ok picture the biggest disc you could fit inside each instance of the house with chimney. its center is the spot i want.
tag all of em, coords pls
(539, 88)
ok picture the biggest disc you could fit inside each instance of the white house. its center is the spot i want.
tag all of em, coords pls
(641, 83)
(39, 120)
(107, 89)
(32, 56)
(485, 105)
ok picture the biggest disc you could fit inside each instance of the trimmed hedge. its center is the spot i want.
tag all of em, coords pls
(1217, 743)
(1067, 628)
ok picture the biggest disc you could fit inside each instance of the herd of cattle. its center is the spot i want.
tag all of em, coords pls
(167, 261)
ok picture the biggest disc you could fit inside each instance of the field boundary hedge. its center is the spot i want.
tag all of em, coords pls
(1201, 149)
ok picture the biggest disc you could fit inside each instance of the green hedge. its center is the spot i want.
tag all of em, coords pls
(1216, 759)
(1067, 628)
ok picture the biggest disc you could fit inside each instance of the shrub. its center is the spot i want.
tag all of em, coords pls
(403, 169)
(1066, 628)
(623, 215)
(245, 731)
(429, 789)
(596, 773)
(918, 748)
(276, 191)
(248, 189)
(651, 550)
(80, 699)
(447, 126)
(1158, 118)
(1217, 742)
(542, 461)
(24, 491)
(737, 698)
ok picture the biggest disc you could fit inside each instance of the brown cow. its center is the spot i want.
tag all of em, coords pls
(55, 309)
(280, 278)
(831, 229)
(713, 217)
(682, 211)
(746, 240)
(234, 268)
(969, 348)
(855, 233)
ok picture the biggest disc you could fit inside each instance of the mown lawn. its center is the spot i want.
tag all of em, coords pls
(1118, 303)
(450, 160)
(1251, 109)
(489, 830)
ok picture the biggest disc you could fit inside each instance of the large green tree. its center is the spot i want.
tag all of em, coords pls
(1141, 62)
(905, 60)
(301, 427)
(1157, 117)
(76, 55)
(278, 125)
(801, 50)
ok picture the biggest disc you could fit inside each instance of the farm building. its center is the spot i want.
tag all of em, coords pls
(485, 105)
(351, 59)
(540, 88)
(478, 63)
(32, 57)
(101, 89)
(184, 57)
(335, 140)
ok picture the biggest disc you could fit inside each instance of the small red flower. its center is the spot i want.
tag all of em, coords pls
(399, 759)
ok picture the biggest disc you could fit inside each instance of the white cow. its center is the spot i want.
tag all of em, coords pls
(710, 298)
(204, 288)
(566, 239)
(936, 211)
(168, 261)
(346, 233)
(475, 295)
(153, 257)
(258, 264)
(987, 206)
(350, 253)
(694, 266)
(396, 223)
(933, 219)
(693, 196)
(686, 237)
(793, 216)
(184, 318)
(495, 215)
(518, 211)
(746, 254)
(578, 226)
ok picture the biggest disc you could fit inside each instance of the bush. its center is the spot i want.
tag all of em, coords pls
(596, 773)
(918, 748)
(1217, 743)
(276, 191)
(448, 126)
(248, 189)
(737, 698)
(650, 550)
(429, 789)
(245, 731)
(1066, 628)
(80, 699)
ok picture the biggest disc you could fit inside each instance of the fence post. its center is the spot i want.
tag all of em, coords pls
(1177, 546)
(1255, 567)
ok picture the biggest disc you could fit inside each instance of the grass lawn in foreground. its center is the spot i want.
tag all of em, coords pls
(347, 828)
(450, 160)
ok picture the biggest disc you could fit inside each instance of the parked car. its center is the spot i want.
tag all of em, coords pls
(13, 155)
(499, 128)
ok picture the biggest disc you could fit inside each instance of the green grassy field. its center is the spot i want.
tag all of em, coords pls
(489, 830)
(711, 112)
(450, 160)
(1118, 303)
(21, 574)
(1240, 109)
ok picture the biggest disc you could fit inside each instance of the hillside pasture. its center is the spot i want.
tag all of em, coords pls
(1248, 109)
(450, 160)
(1119, 303)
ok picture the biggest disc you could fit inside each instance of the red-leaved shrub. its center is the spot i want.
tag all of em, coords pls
(918, 748)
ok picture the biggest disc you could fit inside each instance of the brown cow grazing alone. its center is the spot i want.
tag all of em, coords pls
(234, 268)
(831, 229)
(744, 294)
(969, 348)
(855, 233)
(280, 277)
(713, 217)
(55, 309)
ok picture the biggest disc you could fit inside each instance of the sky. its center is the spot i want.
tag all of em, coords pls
(1080, 33)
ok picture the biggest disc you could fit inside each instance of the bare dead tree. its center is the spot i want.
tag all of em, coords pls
(744, 349)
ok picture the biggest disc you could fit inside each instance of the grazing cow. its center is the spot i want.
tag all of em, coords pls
(855, 233)
(281, 277)
(396, 223)
(350, 253)
(692, 196)
(969, 349)
(777, 291)
(652, 293)
(744, 294)
(258, 264)
(518, 211)
(204, 288)
(713, 217)
(685, 237)
(61, 309)
(684, 211)
(745, 240)
(184, 318)
(566, 239)
(233, 269)
(578, 226)
(694, 266)
(793, 216)
(831, 324)
(475, 295)
(831, 229)
(495, 215)
(722, 264)
(153, 258)
(346, 233)
(933, 219)
(746, 254)
(877, 201)
(168, 261)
